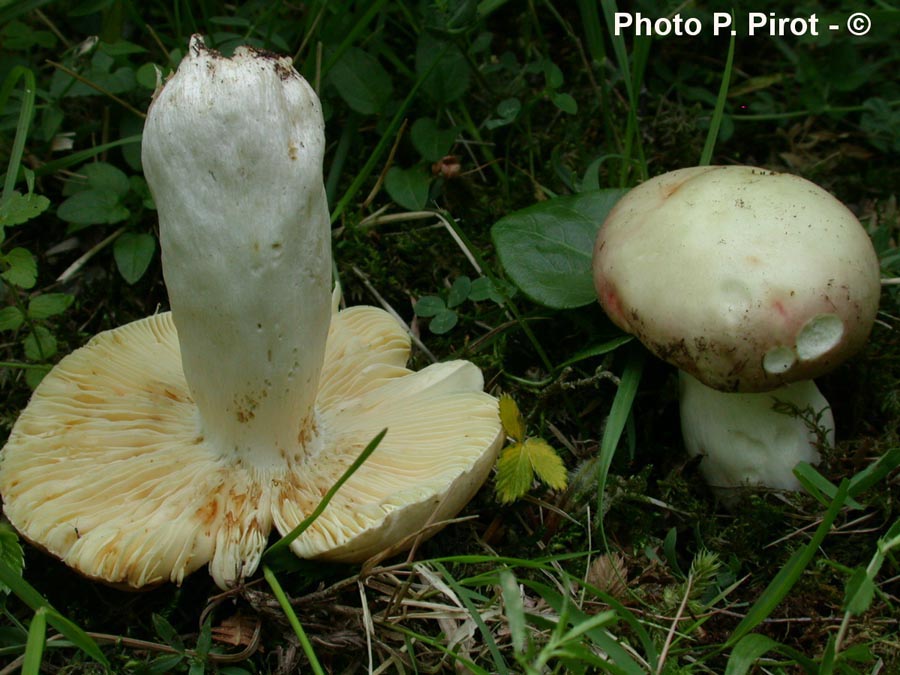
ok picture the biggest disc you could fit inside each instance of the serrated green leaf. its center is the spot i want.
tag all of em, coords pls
(443, 322)
(133, 252)
(459, 291)
(511, 418)
(547, 465)
(547, 248)
(21, 268)
(361, 81)
(429, 305)
(49, 304)
(408, 187)
(92, 207)
(11, 318)
(19, 208)
(40, 344)
(11, 555)
(514, 473)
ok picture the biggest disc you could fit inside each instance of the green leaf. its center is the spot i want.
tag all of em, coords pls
(547, 465)
(40, 344)
(21, 268)
(552, 74)
(92, 207)
(565, 102)
(361, 81)
(547, 248)
(133, 252)
(508, 109)
(450, 77)
(443, 322)
(429, 305)
(408, 187)
(33, 376)
(105, 176)
(11, 318)
(11, 554)
(148, 75)
(459, 291)
(431, 142)
(859, 593)
(484, 288)
(19, 208)
(49, 304)
(166, 632)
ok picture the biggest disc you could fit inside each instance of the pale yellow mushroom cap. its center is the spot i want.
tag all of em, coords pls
(108, 470)
(745, 278)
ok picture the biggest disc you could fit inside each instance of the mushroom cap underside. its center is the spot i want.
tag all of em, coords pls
(747, 279)
(109, 469)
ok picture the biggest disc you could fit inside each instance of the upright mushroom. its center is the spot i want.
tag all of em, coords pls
(748, 281)
(179, 440)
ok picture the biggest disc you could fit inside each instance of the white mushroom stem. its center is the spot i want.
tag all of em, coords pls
(749, 439)
(248, 270)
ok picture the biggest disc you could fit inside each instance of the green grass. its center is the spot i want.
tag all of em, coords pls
(634, 567)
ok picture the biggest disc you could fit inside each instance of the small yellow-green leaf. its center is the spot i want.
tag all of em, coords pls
(511, 418)
(514, 473)
(546, 463)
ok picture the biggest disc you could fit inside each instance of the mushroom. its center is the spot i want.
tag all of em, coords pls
(179, 440)
(752, 283)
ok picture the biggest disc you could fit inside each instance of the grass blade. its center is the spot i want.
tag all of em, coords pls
(285, 604)
(287, 540)
(514, 610)
(618, 416)
(26, 112)
(34, 647)
(716, 120)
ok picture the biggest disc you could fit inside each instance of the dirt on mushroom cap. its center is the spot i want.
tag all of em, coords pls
(714, 268)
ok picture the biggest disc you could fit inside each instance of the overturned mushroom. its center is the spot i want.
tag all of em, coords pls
(748, 281)
(179, 440)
